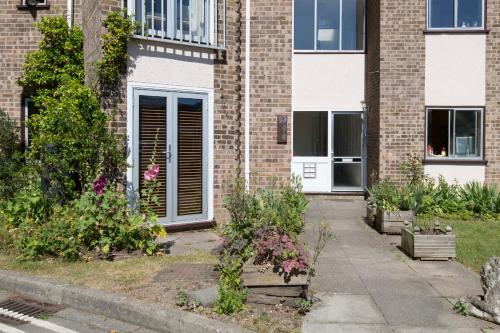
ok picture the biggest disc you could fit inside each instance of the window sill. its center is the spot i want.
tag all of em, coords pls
(454, 161)
(328, 52)
(38, 7)
(457, 31)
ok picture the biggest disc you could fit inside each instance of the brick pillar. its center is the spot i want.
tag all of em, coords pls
(492, 113)
(271, 89)
(402, 83)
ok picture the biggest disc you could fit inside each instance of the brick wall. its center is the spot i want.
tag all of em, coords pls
(372, 86)
(271, 89)
(402, 83)
(228, 104)
(492, 113)
(18, 36)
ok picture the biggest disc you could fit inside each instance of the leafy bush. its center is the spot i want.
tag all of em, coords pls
(232, 295)
(481, 199)
(429, 198)
(265, 223)
(10, 158)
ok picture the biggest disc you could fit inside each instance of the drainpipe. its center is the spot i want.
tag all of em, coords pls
(69, 15)
(247, 93)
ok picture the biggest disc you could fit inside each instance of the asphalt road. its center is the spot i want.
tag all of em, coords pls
(67, 320)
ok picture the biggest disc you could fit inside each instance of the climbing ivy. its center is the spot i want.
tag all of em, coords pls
(114, 47)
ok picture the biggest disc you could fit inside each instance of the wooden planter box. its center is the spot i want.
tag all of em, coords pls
(428, 247)
(391, 223)
(269, 287)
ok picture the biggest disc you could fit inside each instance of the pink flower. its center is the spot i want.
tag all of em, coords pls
(99, 185)
(152, 172)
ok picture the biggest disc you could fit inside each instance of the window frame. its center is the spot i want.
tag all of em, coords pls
(340, 50)
(171, 33)
(43, 3)
(455, 27)
(451, 158)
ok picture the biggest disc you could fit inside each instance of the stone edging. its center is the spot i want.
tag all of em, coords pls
(155, 317)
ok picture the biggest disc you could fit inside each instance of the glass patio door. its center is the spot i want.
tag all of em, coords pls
(347, 151)
(176, 123)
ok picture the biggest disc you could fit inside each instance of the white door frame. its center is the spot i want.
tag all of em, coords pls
(133, 134)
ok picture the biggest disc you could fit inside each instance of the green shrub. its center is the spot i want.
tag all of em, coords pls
(232, 295)
(10, 158)
(481, 199)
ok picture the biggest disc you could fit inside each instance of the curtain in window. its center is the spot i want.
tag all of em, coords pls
(197, 18)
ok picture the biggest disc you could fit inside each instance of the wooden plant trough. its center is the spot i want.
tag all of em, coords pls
(269, 287)
(391, 223)
(428, 247)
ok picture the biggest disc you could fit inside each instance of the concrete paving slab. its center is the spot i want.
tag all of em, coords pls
(191, 242)
(335, 308)
(438, 330)
(308, 327)
(416, 311)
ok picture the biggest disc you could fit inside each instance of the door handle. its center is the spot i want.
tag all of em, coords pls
(169, 153)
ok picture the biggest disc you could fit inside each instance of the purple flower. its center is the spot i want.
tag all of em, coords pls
(99, 185)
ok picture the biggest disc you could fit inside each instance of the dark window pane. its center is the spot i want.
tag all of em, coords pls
(310, 134)
(467, 135)
(442, 13)
(347, 175)
(347, 135)
(304, 25)
(353, 16)
(470, 13)
(438, 134)
(328, 25)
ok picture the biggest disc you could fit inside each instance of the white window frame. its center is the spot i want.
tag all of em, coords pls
(171, 21)
(455, 157)
(339, 50)
(39, 3)
(455, 19)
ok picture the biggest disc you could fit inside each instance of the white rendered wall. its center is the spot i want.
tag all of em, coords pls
(160, 63)
(455, 69)
(327, 81)
(460, 174)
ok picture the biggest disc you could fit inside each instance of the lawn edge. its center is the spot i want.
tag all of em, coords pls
(153, 316)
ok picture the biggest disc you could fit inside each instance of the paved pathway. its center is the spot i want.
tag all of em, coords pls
(367, 285)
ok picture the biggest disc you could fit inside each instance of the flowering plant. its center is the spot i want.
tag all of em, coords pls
(276, 248)
(99, 185)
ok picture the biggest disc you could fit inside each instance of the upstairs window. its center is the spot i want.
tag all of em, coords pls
(329, 25)
(455, 14)
(182, 20)
(454, 133)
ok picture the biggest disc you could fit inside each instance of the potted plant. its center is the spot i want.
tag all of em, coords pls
(277, 273)
(391, 205)
(428, 242)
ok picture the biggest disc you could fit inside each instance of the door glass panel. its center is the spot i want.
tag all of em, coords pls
(347, 175)
(190, 157)
(347, 135)
(310, 134)
(153, 129)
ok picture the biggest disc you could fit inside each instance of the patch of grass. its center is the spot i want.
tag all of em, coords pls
(477, 240)
(104, 275)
